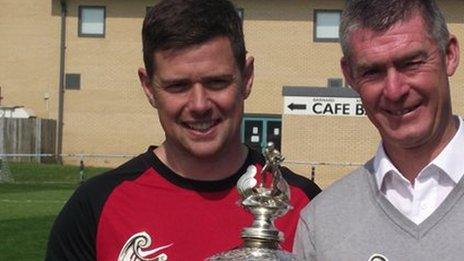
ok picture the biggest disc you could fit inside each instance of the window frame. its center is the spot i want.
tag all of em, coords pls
(82, 34)
(315, 15)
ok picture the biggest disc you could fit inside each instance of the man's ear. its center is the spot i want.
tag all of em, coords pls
(147, 86)
(452, 55)
(248, 76)
(347, 71)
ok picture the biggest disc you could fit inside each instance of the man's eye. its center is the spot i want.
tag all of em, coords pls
(176, 87)
(218, 84)
(370, 72)
(412, 64)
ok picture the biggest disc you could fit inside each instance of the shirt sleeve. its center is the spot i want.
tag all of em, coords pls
(303, 246)
(73, 233)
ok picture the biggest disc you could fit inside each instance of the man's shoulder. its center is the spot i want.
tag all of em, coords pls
(91, 195)
(346, 193)
(348, 182)
(338, 210)
(77, 223)
(107, 181)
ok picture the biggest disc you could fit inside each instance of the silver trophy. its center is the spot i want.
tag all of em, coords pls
(267, 200)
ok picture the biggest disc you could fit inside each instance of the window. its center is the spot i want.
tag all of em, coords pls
(92, 21)
(326, 24)
(258, 129)
(73, 81)
(335, 82)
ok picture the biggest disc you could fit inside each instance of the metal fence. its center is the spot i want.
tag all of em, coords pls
(323, 173)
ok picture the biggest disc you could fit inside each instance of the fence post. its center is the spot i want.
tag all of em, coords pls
(2, 134)
(81, 169)
(313, 173)
(38, 139)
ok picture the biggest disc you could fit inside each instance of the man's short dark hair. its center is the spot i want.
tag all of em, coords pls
(380, 15)
(177, 24)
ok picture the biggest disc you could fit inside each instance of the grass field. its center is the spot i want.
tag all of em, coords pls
(29, 205)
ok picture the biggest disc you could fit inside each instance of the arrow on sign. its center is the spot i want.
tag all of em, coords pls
(292, 106)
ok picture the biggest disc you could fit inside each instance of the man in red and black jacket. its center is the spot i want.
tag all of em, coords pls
(178, 201)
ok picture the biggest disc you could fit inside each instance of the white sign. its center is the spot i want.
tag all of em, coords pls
(323, 106)
(255, 138)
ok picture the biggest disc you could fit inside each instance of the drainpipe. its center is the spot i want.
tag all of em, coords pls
(59, 122)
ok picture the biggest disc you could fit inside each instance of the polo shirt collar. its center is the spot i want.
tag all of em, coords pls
(449, 160)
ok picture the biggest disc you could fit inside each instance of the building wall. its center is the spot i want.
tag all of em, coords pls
(29, 55)
(110, 114)
(454, 15)
(279, 35)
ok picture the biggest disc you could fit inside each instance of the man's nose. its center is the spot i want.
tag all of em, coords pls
(199, 100)
(395, 87)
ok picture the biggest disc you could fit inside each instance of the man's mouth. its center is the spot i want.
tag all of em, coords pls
(202, 126)
(402, 111)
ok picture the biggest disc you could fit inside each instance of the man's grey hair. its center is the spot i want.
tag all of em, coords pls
(380, 15)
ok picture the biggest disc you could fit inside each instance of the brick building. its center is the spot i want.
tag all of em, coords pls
(92, 50)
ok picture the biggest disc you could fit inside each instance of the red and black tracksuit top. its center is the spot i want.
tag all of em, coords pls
(142, 210)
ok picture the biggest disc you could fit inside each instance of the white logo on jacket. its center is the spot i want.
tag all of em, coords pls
(377, 257)
(136, 249)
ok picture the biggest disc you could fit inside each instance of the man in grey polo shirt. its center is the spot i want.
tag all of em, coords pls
(407, 202)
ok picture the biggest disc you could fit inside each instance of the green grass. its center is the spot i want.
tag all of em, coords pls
(51, 173)
(29, 206)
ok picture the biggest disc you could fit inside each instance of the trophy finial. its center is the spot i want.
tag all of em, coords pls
(266, 196)
(271, 190)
